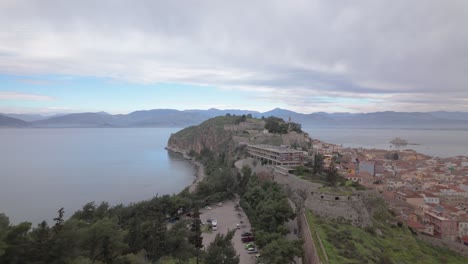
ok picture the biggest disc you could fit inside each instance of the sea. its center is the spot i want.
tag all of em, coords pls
(436, 143)
(43, 170)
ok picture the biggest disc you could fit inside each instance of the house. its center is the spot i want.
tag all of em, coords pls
(430, 198)
(418, 227)
(462, 227)
(393, 184)
(363, 178)
(444, 228)
(367, 166)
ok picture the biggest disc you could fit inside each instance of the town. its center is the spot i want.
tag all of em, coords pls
(429, 194)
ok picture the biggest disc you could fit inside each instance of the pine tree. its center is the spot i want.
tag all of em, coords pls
(196, 238)
(221, 250)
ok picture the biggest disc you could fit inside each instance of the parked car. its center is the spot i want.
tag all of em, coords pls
(246, 234)
(247, 239)
(249, 245)
(238, 226)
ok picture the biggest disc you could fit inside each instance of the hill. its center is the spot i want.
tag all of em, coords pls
(77, 120)
(381, 243)
(6, 121)
(383, 240)
(177, 118)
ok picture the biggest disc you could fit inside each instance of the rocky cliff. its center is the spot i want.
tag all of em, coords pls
(208, 136)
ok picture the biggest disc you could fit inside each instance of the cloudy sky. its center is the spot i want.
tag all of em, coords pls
(306, 56)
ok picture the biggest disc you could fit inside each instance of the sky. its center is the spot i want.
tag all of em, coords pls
(307, 56)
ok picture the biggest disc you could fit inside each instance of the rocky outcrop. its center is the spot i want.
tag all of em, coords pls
(208, 136)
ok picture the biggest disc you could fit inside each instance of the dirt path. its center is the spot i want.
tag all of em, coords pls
(228, 217)
(199, 176)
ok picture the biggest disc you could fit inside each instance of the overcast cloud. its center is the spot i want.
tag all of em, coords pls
(395, 55)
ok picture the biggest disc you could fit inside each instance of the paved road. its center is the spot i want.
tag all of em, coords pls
(228, 217)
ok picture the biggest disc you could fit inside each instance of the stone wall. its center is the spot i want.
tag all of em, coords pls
(310, 252)
(307, 194)
(338, 206)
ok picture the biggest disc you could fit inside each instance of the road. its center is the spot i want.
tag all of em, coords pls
(228, 217)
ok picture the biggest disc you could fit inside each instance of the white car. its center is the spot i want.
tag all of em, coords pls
(214, 225)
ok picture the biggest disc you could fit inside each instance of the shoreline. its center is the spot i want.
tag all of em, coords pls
(200, 169)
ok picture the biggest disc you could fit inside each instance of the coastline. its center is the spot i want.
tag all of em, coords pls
(200, 169)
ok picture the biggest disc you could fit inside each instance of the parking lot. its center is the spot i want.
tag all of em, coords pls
(228, 217)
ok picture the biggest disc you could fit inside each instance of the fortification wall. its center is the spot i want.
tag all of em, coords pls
(307, 194)
(338, 206)
(310, 252)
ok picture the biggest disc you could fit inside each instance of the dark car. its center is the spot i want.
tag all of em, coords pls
(246, 234)
(247, 239)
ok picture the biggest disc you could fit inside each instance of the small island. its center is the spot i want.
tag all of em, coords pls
(401, 142)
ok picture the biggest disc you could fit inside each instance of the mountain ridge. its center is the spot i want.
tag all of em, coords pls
(6, 121)
(183, 118)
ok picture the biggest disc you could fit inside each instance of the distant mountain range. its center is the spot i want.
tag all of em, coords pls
(176, 118)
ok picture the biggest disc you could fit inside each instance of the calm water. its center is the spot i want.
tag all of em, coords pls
(438, 143)
(42, 170)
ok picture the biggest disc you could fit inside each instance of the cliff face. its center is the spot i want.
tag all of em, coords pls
(210, 135)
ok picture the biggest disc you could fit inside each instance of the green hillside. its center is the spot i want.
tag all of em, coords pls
(383, 243)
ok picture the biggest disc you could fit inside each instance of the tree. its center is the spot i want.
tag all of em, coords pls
(273, 212)
(221, 250)
(102, 211)
(104, 241)
(64, 245)
(134, 236)
(18, 243)
(196, 238)
(276, 125)
(40, 243)
(86, 214)
(154, 237)
(282, 251)
(332, 175)
(59, 220)
(178, 244)
(244, 177)
(318, 163)
(4, 223)
(296, 127)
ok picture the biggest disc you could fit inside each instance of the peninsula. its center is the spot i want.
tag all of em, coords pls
(378, 193)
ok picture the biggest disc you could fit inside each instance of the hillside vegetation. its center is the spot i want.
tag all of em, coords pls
(382, 244)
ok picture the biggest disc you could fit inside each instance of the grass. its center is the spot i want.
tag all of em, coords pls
(344, 243)
(313, 231)
(206, 229)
